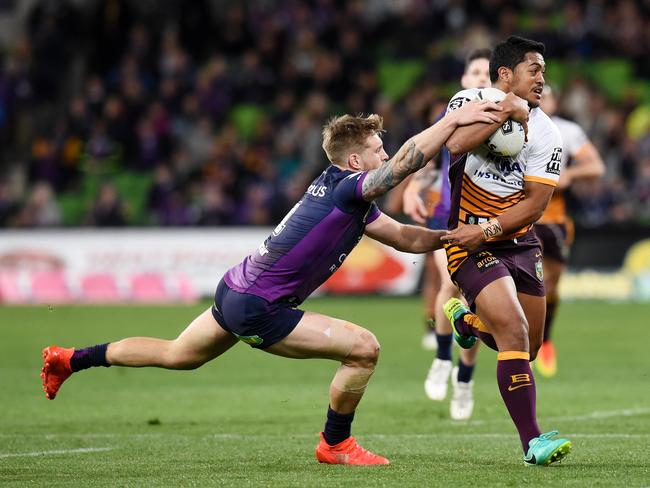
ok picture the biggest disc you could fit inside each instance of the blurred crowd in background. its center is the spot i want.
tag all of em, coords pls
(209, 113)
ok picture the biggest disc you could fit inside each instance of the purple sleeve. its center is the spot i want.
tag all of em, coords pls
(358, 189)
(373, 213)
(348, 196)
(348, 192)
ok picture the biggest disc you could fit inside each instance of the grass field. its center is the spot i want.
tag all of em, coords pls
(251, 419)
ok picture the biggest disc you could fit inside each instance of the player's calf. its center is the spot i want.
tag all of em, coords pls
(348, 386)
(352, 377)
(178, 357)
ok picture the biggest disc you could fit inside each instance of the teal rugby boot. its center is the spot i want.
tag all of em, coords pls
(454, 310)
(544, 450)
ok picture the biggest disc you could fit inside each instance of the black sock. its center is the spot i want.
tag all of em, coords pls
(89, 357)
(338, 426)
(551, 306)
(444, 346)
(465, 372)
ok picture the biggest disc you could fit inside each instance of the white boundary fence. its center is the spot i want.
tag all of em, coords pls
(189, 263)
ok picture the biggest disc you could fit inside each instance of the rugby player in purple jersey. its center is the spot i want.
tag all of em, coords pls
(256, 301)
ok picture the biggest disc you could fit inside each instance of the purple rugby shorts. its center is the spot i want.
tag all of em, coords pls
(519, 258)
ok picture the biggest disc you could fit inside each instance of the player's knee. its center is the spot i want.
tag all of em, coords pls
(186, 364)
(511, 334)
(365, 352)
(180, 362)
(358, 367)
(177, 358)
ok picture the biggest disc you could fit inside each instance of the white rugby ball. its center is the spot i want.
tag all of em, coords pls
(509, 139)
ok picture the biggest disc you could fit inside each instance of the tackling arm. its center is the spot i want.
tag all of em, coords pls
(406, 238)
(420, 148)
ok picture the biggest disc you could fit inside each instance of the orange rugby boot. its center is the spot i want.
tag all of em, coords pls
(56, 369)
(346, 452)
(546, 362)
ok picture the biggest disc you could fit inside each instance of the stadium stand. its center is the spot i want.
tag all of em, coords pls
(105, 122)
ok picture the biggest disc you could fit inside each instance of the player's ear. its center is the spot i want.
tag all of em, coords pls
(354, 161)
(505, 74)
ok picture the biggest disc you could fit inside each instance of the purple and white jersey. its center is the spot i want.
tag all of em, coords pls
(310, 243)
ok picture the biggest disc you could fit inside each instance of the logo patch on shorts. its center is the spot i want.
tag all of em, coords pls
(539, 270)
(485, 260)
(254, 340)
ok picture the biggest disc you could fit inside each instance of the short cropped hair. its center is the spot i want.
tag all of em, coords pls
(511, 52)
(348, 133)
(482, 53)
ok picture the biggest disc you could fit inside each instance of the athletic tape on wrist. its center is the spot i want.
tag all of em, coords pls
(491, 228)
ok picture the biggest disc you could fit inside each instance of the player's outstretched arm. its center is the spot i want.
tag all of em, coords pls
(420, 148)
(406, 238)
(524, 213)
(465, 139)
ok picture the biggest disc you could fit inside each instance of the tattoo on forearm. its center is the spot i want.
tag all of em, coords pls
(407, 160)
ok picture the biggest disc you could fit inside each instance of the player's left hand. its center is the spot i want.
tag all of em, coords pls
(468, 237)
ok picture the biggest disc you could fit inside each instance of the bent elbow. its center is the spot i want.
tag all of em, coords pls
(538, 215)
(454, 148)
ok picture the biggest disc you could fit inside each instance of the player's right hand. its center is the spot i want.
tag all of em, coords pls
(518, 109)
(414, 207)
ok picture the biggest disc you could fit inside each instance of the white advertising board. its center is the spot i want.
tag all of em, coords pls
(201, 256)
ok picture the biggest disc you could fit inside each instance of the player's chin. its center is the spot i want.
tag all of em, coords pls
(533, 102)
(534, 99)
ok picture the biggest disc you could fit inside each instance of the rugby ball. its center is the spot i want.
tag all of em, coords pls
(508, 140)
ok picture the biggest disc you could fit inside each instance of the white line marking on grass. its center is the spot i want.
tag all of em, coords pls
(611, 436)
(253, 437)
(495, 435)
(628, 412)
(81, 450)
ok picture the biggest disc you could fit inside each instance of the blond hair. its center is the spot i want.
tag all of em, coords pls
(347, 133)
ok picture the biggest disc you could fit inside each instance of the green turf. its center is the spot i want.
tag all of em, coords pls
(250, 419)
